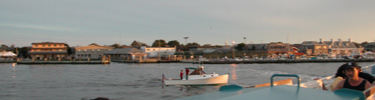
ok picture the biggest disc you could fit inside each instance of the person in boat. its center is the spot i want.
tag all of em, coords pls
(181, 74)
(364, 75)
(187, 73)
(339, 76)
(353, 81)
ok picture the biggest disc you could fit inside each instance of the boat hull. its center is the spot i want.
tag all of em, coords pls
(222, 79)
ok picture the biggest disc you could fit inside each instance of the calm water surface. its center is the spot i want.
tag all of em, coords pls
(119, 81)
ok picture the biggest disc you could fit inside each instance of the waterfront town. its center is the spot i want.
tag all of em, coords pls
(173, 51)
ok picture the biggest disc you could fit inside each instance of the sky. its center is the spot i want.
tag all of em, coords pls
(106, 22)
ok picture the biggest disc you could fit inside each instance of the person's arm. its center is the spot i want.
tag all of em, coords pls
(368, 85)
(339, 86)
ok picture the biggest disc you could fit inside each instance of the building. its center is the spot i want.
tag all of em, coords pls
(126, 54)
(159, 52)
(332, 48)
(49, 50)
(258, 47)
(313, 48)
(343, 48)
(369, 47)
(279, 48)
(91, 51)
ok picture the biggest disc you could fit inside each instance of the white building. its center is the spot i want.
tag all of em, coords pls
(156, 52)
(343, 48)
(91, 51)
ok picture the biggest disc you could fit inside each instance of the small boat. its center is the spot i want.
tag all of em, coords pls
(198, 77)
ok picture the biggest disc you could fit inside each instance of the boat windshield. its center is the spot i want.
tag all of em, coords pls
(198, 72)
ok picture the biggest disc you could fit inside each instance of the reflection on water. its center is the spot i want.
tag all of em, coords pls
(14, 70)
(234, 73)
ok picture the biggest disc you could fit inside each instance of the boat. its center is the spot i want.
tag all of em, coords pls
(198, 77)
(299, 91)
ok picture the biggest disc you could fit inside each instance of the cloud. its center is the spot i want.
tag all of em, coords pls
(40, 27)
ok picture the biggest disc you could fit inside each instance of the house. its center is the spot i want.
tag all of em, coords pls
(49, 50)
(91, 51)
(126, 54)
(159, 52)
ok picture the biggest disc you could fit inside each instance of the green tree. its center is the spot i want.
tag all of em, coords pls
(159, 43)
(22, 52)
(240, 46)
(137, 44)
(94, 44)
(357, 44)
(173, 43)
(193, 44)
(115, 45)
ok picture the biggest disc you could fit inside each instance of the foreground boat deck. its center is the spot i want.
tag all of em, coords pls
(283, 92)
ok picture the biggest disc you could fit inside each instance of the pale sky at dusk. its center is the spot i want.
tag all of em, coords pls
(105, 22)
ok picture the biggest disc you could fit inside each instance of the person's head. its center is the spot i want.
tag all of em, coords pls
(351, 70)
(340, 71)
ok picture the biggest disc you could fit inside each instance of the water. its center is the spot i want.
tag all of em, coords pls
(119, 81)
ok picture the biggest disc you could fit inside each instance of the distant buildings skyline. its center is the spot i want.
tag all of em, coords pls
(226, 42)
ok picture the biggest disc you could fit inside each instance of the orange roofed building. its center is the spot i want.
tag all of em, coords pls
(48, 50)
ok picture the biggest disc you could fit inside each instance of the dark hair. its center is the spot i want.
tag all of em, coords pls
(340, 71)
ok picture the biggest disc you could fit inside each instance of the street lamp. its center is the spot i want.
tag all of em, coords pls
(186, 40)
(185, 45)
(244, 40)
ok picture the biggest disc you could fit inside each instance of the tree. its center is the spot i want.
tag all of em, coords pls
(137, 44)
(364, 43)
(94, 44)
(240, 46)
(159, 43)
(357, 44)
(115, 45)
(193, 44)
(207, 45)
(173, 43)
(70, 51)
(22, 52)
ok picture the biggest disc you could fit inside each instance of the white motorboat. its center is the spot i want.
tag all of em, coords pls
(198, 77)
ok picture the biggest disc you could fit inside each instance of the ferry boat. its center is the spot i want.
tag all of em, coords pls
(198, 77)
(301, 91)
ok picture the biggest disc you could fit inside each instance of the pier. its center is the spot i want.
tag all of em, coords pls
(61, 62)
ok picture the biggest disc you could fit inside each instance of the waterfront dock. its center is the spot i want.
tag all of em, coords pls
(61, 62)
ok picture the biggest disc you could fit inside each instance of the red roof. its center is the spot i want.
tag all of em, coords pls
(299, 54)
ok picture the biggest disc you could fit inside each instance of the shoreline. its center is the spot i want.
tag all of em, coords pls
(194, 62)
